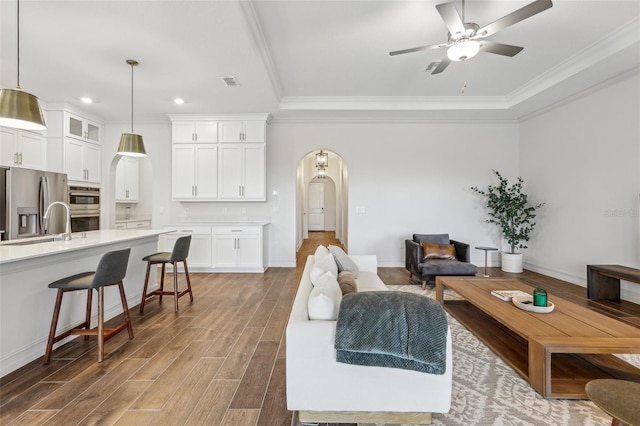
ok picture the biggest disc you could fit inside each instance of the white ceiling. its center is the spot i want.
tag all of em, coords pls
(297, 58)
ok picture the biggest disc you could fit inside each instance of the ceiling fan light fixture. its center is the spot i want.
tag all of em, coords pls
(463, 50)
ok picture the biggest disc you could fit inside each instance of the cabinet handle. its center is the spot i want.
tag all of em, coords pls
(236, 230)
(15, 159)
(193, 193)
(196, 190)
(20, 156)
(238, 240)
(127, 193)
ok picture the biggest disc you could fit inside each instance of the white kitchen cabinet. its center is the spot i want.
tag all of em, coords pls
(195, 172)
(194, 131)
(237, 248)
(242, 131)
(127, 180)
(138, 224)
(20, 148)
(81, 128)
(242, 172)
(200, 249)
(81, 161)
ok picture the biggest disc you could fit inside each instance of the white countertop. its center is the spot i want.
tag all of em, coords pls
(12, 253)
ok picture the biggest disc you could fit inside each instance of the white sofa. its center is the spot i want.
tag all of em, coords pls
(322, 390)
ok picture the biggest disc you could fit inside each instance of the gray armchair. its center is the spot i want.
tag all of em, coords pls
(427, 269)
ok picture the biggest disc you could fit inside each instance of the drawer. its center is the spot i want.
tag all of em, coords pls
(140, 224)
(187, 229)
(236, 230)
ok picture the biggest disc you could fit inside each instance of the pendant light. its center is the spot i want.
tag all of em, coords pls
(131, 144)
(19, 109)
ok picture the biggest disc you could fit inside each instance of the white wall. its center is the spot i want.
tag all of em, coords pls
(408, 177)
(583, 159)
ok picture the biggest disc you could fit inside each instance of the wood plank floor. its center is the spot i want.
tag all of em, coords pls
(219, 361)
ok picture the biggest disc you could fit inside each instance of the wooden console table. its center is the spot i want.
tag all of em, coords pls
(557, 353)
(603, 281)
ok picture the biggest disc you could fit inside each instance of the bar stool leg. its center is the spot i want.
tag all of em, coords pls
(100, 324)
(88, 315)
(186, 273)
(175, 286)
(144, 289)
(125, 310)
(162, 283)
(54, 325)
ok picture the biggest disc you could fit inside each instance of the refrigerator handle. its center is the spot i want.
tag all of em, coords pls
(43, 203)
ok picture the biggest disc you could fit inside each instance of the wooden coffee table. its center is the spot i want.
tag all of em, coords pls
(559, 352)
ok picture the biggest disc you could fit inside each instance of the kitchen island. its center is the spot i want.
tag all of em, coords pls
(26, 303)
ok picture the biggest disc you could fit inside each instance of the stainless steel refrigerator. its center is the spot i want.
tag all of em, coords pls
(26, 196)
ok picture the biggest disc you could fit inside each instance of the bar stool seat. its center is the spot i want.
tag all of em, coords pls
(111, 270)
(179, 253)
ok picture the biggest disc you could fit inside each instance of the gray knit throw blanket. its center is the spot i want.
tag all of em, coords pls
(392, 329)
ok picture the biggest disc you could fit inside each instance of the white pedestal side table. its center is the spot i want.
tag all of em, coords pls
(486, 249)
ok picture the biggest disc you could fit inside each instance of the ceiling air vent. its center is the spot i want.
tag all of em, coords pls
(230, 81)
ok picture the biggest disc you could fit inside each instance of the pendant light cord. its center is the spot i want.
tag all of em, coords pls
(132, 98)
(18, 38)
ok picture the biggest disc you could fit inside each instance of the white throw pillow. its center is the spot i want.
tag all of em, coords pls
(320, 253)
(343, 261)
(316, 272)
(324, 299)
(328, 263)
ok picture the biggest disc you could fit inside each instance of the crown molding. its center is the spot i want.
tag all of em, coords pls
(612, 43)
(392, 103)
(261, 45)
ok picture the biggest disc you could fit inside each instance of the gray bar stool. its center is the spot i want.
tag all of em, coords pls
(179, 254)
(111, 270)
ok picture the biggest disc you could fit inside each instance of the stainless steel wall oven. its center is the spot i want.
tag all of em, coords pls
(84, 203)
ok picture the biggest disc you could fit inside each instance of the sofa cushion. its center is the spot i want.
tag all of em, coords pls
(316, 272)
(447, 267)
(347, 282)
(438, 251)
(343, 260)
(431, 238)
(320, 253)
(328, 264)
(324, 299)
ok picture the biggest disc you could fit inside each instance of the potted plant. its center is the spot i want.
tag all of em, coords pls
(510, 211)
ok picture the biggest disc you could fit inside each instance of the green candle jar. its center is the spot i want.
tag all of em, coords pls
(539, 297)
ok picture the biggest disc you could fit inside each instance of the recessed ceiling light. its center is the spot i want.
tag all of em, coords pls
(178, 101)
(86, 100)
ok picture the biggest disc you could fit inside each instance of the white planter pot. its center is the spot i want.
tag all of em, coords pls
(512, 262)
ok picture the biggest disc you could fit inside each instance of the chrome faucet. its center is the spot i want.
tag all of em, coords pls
(67, 229)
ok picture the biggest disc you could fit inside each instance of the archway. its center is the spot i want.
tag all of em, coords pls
(130, 193)
(334, 189)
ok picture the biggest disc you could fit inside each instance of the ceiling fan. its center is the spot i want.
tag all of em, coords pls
(466, 39)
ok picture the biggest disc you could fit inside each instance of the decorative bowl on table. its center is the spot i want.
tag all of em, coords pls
(526, 304)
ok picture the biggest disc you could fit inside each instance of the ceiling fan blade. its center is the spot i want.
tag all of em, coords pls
(451, 18)
(417, 49)
(499, 48)
(514, 17)
(441, 66)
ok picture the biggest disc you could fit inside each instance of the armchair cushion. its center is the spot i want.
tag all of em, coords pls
(426, 269)
(438, 251)
(435, 267)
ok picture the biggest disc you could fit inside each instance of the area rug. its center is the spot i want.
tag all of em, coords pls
(486, 391)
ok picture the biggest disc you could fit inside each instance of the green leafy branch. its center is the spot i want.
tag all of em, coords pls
(509, 210)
